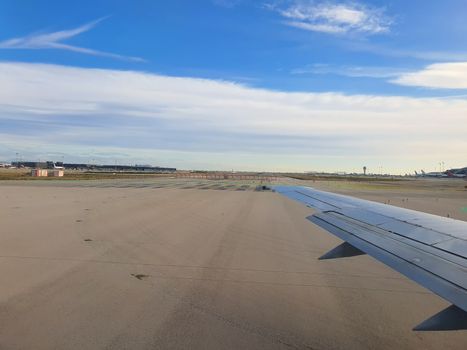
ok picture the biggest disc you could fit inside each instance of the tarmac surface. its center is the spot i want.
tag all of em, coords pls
(118, 265)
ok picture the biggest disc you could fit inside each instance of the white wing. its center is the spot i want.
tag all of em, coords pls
(429, 249)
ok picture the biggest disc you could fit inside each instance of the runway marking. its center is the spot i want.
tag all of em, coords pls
(122, 184)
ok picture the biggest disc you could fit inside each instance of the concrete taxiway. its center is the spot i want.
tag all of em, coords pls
(128, 267)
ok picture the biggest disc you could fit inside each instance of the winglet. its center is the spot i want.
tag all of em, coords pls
(343, 250)
(450, 319)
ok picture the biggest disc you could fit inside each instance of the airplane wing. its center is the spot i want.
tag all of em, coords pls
(429, 249)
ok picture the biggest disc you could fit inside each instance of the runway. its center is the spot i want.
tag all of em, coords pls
(174, 267)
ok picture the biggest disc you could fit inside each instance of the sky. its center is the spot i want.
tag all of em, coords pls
(273, 85)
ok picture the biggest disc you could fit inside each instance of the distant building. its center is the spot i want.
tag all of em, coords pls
(37, 165)
(57, 173)
(94, 167)
(39, 172)
(119, 168)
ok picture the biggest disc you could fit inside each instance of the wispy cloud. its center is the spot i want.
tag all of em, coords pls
(437, 56)
(205, 123)
(53, 40)
(334, 17)
(352, 71)
(437, 76)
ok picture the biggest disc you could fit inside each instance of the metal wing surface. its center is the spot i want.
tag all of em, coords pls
(429, 249)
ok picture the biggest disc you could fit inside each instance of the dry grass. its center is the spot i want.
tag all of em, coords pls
(25, 174)
(355, 178)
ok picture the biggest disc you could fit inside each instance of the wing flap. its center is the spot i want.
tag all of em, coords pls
(455, 246)
(414, 232)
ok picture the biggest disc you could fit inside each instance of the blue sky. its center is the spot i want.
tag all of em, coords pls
(356, 83)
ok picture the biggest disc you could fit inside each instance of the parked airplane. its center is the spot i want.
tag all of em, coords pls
(432, 174)
(456, 175)
(428, 249)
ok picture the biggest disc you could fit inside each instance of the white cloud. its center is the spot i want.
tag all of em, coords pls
(54, 40)
(334, 18)
(435, 76)
(324, 28)
(218, 124)
(437, 56)
(351, 71)
(440, 75)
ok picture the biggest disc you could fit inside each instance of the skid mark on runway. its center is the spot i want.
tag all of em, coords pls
(140, 276)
